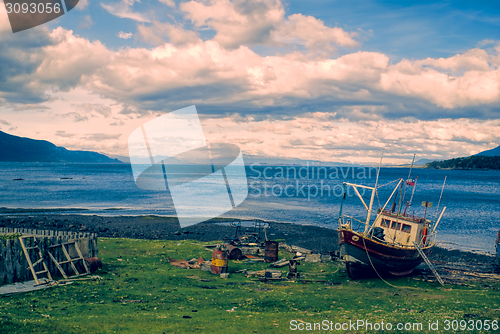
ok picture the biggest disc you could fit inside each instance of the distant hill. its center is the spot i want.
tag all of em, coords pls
(422, 162)
(473, 162)
(490, 153)
(276, 161)
(20, 149)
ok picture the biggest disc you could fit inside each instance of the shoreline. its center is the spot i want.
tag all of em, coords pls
(317, 238)
(23, 214)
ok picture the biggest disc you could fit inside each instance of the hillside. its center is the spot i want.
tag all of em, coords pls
(491, 153)
(473, 162)
(20, 149)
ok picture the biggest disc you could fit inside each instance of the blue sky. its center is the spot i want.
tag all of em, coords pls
(279, 78)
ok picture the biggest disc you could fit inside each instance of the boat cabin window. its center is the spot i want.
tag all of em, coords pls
(406, 228)
(385, 223)
(396, 225)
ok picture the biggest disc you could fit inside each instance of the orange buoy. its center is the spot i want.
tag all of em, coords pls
(424, 235)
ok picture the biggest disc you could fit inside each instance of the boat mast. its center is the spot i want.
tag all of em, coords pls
(342, 202)
(402, 198)
(367, 224)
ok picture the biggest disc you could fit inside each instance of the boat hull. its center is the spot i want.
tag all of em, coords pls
(364, 255)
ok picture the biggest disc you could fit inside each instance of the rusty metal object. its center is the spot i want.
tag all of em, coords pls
(233, 253)
(93, 263)
(292, 269)
(219, 261)
(271, 251)
(187, 264)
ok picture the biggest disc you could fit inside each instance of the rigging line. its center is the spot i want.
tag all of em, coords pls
(409, 176)
(388, 183)
(439, 202)
(394, 286)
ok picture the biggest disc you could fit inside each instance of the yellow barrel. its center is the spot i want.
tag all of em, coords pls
(219, 261)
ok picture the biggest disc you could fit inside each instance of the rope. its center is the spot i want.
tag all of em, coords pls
(369, 259)
(388, 183)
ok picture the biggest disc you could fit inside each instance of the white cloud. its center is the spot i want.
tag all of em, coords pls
(236, 23)
(82, 4)
(311, 32)
(124, 35)
(160, 33)
(123, 9)
(169, 3)
(86, 22)
(320, 136)
(263, 22)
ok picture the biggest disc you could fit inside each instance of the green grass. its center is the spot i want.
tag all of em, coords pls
(142, 293)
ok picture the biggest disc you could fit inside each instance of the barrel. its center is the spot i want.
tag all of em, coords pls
(233, 253)
(219, 261)
(93, 263)
(271, 251)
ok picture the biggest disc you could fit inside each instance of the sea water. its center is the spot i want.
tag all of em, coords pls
(296, 194)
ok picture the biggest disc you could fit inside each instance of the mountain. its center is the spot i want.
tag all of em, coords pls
(276, 161)
(20, 149)
(422, 162)
(473, 162)
(490, 153)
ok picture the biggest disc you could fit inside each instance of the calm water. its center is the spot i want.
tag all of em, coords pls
(305, 195)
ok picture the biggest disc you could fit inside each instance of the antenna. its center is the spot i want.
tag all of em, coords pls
(405, 185)
(411, 198)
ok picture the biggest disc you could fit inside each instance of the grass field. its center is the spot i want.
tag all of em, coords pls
(142, 293)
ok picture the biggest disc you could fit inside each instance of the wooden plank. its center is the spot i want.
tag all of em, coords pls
(2, 262)
(29, 260)
(8, 259)
(61, 270)
(87, 271)
(16, 258)
(69, 258)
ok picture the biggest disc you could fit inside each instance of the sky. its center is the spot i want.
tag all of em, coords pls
(316, 80)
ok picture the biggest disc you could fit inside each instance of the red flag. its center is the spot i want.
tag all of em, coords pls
(410, 182)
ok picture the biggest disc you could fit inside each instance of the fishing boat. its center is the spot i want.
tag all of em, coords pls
(395, 241)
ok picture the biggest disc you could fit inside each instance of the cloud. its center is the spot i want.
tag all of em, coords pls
(82, 4)
(92, 109)
(322, 136)
(28, 106)
(4, 122)
(86, 22)
(299, 29)
(263, 22)
(101, 136)
(123, 10)
(161, 33)
(64, 134)
(169, 3)
(125, 35)
(224, 81)
(236, 23)
(77, 117)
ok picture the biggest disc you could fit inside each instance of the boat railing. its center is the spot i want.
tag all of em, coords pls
(351, 223)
